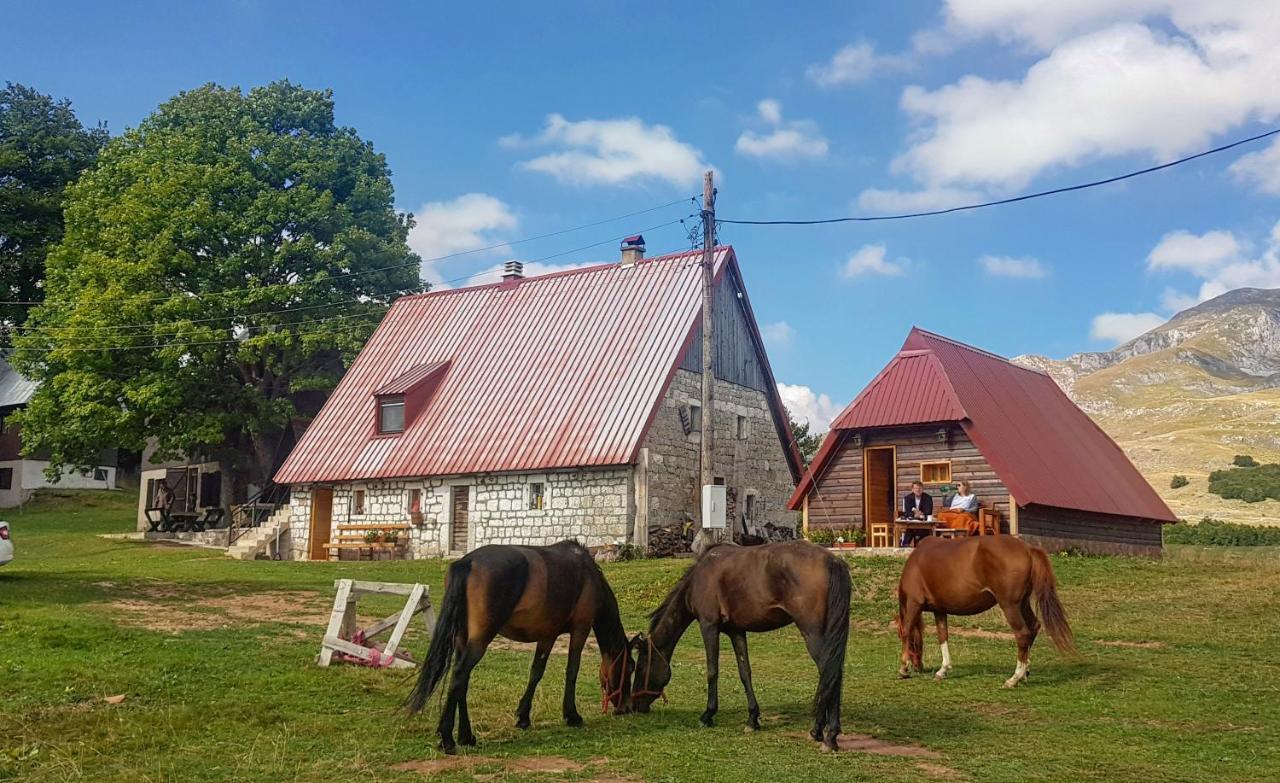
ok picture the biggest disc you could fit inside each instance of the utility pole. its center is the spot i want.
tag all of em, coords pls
(708, 470)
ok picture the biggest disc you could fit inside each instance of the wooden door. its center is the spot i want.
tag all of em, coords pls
(459, 519)
(877, 485)
(321, 522)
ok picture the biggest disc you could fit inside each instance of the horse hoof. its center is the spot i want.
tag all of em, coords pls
(468, 741)
(940, 676)
(449, 750)
(522, 723)
(815, 735)
(1009, 684)
(829, 747)
(706, 720)
(573, 721)
(904, 675)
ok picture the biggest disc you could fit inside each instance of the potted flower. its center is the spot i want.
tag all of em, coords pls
(372, 536)
(392, 537)
(849, 539)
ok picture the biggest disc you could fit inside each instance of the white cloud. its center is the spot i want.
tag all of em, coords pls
(1008, 266)
(1260, 169)
(778, 334)
(1218, 260)
(468, 222)
(1192, 252)
(852, 64)
(784, 140)
(1117, 328)
(611, 152)
(1107, 85)
(807, 405)
(927, 200)
(871, 260)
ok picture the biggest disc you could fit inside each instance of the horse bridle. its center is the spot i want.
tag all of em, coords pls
(607, 695)
(661, 692)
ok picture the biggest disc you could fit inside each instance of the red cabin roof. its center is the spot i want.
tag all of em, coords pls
(1044, 448)
(556, 371)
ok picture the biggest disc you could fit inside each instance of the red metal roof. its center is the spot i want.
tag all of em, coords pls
(1044, 448)
(560, 370)
(410, 378)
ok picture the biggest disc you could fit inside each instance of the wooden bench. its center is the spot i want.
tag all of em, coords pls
(351, 537)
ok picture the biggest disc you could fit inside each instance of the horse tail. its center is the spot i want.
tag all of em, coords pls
(835, 637)
(449, 633)
(1045, 587)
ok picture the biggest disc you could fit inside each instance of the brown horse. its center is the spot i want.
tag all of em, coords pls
(969, 576)
(735, 590)
(527, 594)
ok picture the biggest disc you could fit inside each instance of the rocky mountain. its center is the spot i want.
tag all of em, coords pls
(1188, 395)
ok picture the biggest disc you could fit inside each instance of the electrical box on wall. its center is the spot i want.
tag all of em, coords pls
(713, 506)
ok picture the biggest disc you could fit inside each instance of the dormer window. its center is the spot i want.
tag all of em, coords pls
(400, 400)
(390, 415)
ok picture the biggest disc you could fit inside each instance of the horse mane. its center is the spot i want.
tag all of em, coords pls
(677, 593)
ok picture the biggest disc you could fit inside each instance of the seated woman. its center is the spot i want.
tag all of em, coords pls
(962, 514)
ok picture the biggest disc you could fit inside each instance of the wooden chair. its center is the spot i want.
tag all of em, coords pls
(988, 522)
(880, 534)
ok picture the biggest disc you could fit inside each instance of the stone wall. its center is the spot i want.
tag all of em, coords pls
(593, 506)
(754, 465)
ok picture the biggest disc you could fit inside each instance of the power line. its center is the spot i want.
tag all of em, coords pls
(292, 333)
(1014, 199)
(459, 254)
(64, 330)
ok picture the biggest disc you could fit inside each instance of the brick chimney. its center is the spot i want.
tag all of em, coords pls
(632, 250)
(512, 270)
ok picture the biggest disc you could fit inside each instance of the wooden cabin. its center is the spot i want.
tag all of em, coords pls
(941, 412)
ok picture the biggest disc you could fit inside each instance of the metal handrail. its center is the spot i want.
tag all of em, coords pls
(259, 508)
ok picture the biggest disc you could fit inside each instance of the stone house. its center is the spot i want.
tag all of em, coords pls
(941, 412)
(542, 408)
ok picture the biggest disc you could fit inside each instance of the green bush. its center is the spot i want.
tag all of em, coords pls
(1214, 532)
(1248, 484)
(1244, 461)
(1179, 481)
(826, 536)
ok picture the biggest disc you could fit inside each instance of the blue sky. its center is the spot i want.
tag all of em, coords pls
(504, 121)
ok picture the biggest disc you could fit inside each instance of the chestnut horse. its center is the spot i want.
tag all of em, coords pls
(969, 576)
(527, 594)
(735, 590)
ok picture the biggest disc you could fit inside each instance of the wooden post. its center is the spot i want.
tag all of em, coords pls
(707, 457)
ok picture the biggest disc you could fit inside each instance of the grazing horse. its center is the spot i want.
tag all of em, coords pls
(735, 590)
(969, 576)
(527, 594)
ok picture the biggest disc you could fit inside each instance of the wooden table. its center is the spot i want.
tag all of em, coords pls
(901, 526)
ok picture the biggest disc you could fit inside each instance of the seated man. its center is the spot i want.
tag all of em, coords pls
(917, 506)
(963, 511)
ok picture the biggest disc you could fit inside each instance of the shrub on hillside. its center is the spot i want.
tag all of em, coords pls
(1244, 461)
(1248, 484)
(1214, 532)
(1179, 481)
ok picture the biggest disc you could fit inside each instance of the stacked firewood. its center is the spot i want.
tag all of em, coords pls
(670, 540)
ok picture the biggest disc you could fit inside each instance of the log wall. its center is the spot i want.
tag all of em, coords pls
(1063, 529)
(836, 500)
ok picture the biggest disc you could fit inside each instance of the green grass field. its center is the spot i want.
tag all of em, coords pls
(1178, 678)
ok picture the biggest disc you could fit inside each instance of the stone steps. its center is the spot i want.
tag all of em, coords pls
(257, 542)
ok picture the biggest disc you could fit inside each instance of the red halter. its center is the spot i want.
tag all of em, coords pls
(607, 695)
(648, 668)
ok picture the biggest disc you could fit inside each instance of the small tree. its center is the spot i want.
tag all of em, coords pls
(1178, 482)
(220, 265)
(806, 440)
(43, 148)
(1244, 461)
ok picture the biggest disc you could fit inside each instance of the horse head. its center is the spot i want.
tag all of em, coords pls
(653, 672)
(615, 681)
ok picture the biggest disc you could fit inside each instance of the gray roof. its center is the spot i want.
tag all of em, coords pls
(14, 388)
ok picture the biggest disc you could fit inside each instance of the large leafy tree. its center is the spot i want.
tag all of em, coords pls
(221, 264)
(806, 439)
(43, 148)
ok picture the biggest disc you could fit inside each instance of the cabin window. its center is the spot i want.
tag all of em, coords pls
(6, 478)
(415, 501)
(537, 495)
(391, 415)
(935, 472)
(744, 428)
(99, 474)
(357, 502)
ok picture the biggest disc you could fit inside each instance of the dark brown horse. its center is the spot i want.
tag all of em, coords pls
(969, 576)
(527, 594)
(735, 590)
